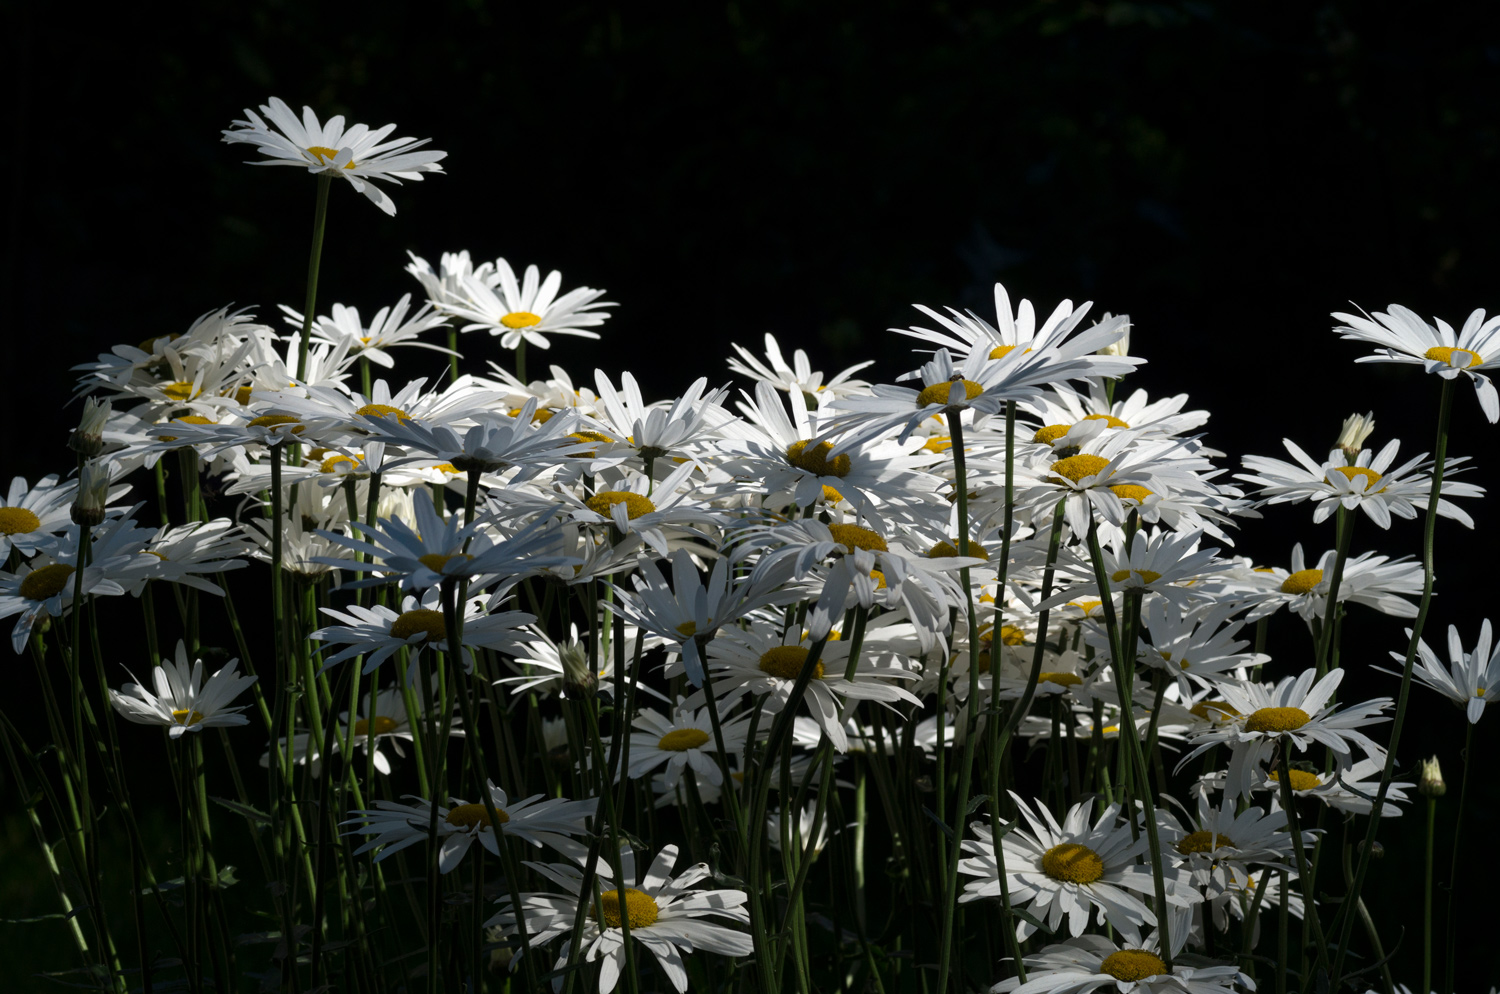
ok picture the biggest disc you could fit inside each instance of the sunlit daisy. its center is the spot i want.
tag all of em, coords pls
(685, 741)
(1469, 678)
(1402, 336)
(1088, 963)
(183, 701)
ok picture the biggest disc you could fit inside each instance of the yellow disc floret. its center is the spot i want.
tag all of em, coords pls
(333, 464)
(1108, 419)
(1302, 581)
(179, 390)
(1456, 358)
(1072, 863)
(786, 662)
(473, 816)
(1301, 779)
(1061, 679)
(640, 908)
(326, 155)
(1276, 720)
(1051, 433)
(1079, 468)
(382, 411)
(437, 562)
(187, 717)
(1130, 491)
(853, 537)
(1351, 472)
(1131, 965)
(682, 739)
(1147, 576)
(46, 581)
(18, 521)
(274, 421)
(816, 460)
(516, 320)
(1203, 842)
(423, 620)
(381, 725)
(1214, 711)
(939, 393)
(604, 501)
(947, 550)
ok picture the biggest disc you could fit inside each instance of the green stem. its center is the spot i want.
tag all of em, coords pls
(1449, 933)
(314, 260)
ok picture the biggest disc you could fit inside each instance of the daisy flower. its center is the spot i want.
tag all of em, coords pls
(357, 154)
(666, 915)
(1468, 679)
(496, 441)
(377, 632)
(1375, 581)
(388, 328)
(656, 430)
(1369, 483)
(527, 311)
(1068, 871)
(183, 702)
(1088, 963)
(32, 518)
(1402, 336)
(551, 822)
(685, 740)
(1295, 708)
(44, 589)
(798, 376)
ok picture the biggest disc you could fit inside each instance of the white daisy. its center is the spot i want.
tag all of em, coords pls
(1402, 336)
(183, 702)
(1469, 678)
(528, 311)
(357, 154)
(686, 740)
(1088, 963)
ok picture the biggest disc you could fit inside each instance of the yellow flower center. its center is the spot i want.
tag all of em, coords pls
(1108, 419)
(815, 460)
(938, 392)
(382, 411)
(830, 495)
(1001, 351)
(879, 579)
(422, 620)
(786, 662)
(1051, 433)
(1087, 606)
(938, 444)
(380, 726)
(1080, 467)
(1130, 491)
(187, 717)
(604, 501)
(946, 550)
(1203, 842)
(853, 537)
(18, 521)
(1214, 711)
(1457, 358)
(1132, 965)
(588, 436)
(1302, 581)
(1350, 472)
(1276, 720)
(332, 463)
(46, 581)
(520, 319)
(641, 909)
(1301, 779)
(274, 421)
(437, 562)
(447, 467)
(473, 816)
(1061, 679)
(187, 419)
(242, 395)
(325, 154)
(179, 391)
(1072, 863)
(1148, 576)
(682, 739)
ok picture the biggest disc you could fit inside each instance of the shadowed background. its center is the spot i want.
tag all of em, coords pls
(1226, 174)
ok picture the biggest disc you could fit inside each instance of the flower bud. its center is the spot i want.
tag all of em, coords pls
(1121, 345)
(93, 493)
(1431, 783)
(579, 678)
(1357, 428)
(88, 438)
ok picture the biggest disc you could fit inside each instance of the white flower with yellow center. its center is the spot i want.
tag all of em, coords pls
(183, 702)
(1402, 336)
(1069, 871)
(665, 915)
(377, 632)
(1088, 963)
(491, 299)
(1065, 404)
(685, 741)
(496, 441)
(1470, 680)
(1158, 561)
(43, 588)
(388, 328)
(1294, 709)
(539, 820)
(1223, 839)
(356, 154)
(758, 663)
(1197, 647)
(460, 403)
(658, 429)
(33, 518)
(798, 377)
(1370, 483)
(1376, 581)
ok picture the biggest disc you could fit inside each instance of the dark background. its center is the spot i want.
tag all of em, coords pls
(1226, 174)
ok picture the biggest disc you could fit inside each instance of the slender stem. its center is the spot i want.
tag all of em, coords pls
(1450, 935)
(1344, 529)
(1427, 896)
(314, 261)
(1429, 531)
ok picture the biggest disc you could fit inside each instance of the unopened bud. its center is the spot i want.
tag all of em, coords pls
(1431, 783)
(1121, 345)
(1357, 428)
(93, 493)
(579, 678)
(88, 438)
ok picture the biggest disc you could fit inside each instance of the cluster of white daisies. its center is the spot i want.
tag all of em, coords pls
(750, 535)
